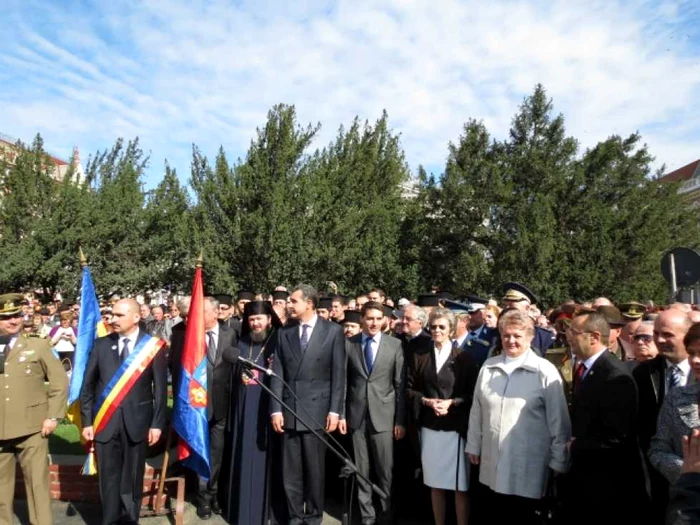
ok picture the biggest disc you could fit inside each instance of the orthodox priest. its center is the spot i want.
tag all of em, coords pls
(251, 441)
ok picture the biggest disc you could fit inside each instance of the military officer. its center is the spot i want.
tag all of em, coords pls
(29, 411)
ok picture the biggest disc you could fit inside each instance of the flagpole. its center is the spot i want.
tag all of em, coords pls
(169, 438)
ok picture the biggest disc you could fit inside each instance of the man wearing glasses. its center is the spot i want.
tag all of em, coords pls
(29, 411)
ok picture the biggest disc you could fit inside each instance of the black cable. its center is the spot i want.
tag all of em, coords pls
(306, 412)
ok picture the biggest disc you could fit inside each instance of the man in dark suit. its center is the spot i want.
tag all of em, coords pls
(376, 409)
(414, 338)
(137, 422)
(521, 298)
(310, 356)
(653, 378)
(407, 463)
(606, 480)
(219, 339)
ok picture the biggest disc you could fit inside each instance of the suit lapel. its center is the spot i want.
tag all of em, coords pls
(292, 335)
(359, 350)
(381, 351)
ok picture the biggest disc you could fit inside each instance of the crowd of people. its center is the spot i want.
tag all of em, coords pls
(476, 410)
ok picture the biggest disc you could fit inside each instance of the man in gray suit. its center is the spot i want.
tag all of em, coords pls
(310, 356)
(376, 410)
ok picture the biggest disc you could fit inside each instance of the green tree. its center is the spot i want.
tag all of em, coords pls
(115, 243)
(169, 230)
(274, 210)
(356, 183)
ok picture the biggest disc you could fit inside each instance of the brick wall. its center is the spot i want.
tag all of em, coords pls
(68, 484)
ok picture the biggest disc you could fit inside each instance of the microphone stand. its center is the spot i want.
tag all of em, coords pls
(347, 462)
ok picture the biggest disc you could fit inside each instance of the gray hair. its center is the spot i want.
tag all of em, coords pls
(443, 313)
(213, 302)
(420, 314)
(308, 293)
(183, 304)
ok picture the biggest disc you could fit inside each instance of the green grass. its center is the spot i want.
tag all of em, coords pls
(66, 437)
(66, 440)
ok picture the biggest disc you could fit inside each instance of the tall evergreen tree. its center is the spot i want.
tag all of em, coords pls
(115, 244)
(168, 229)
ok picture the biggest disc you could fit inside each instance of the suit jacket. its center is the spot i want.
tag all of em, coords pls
(677, 419)
(650, 377)
(380, 392)
(219, 375)
(456, 379)
(412, 345)
(605, 453)
(317, 375)
(26, 400)
(144, 405)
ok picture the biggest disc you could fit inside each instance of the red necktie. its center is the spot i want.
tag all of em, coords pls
(580, 370)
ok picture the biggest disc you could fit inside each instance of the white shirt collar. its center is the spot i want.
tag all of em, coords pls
(683, 366)
(375, 339)
(311, 322)
(214, 330)
(460, 340)
(588, 363)
(132, 337)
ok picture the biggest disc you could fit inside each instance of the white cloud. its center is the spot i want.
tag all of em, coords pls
(176, 72)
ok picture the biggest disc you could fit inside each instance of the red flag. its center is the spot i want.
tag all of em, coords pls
(190, 410)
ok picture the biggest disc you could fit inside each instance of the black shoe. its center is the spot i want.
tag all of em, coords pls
(215, 507)
(204, 512)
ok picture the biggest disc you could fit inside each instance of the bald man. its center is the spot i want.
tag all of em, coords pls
(654, 379)
(601, 301)
(138, 419)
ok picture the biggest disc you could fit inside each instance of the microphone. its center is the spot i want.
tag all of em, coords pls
(250, 364)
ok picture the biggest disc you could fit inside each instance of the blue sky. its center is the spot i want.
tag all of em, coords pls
(177, 72)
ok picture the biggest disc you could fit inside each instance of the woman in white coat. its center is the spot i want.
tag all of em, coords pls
(519, 424)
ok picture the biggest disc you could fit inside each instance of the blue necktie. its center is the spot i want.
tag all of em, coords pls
(675, 378)
(304, 341)
(369, 358)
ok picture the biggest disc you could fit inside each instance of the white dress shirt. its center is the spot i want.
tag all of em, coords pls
(588, 363)
(215, 332)
(374, 345)
(442, 355)
(311, 323)
(132, 337)
(683, 367)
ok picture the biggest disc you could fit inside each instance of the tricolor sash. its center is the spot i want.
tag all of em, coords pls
(125, 378)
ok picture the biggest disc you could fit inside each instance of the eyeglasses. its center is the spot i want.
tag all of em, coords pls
(438, 327)
(644, 338)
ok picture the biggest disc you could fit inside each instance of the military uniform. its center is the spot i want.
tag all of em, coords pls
(26, 363)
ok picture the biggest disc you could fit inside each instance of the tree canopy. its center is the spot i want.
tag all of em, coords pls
(530, 207)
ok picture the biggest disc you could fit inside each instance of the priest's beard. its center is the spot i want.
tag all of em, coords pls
(258, 337)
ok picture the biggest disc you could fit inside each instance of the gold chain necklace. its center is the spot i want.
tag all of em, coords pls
(245, 377)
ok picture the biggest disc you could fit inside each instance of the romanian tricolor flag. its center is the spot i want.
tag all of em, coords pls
(190, 410)
(90, 326)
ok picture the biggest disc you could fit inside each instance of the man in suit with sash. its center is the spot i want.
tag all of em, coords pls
(310, 356)
(376, 409)
(123, 401)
